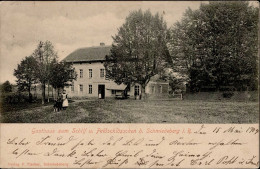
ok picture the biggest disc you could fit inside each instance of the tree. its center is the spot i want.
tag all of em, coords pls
(62, 74)
(176, 80)
(25, 74)
(6, 93)
(44, 55)
(6, 87)
(139, 50)
(216, 45)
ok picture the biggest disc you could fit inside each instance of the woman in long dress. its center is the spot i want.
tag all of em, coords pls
(65, 102)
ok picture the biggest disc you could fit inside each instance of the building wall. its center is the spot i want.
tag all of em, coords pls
(157, 89)
(86, 80)
(153, 88)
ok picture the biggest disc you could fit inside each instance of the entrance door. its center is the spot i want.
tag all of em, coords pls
(101, 91)
(137, 92)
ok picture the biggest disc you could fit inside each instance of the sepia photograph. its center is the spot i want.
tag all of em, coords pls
(129, 62)
(129, 84)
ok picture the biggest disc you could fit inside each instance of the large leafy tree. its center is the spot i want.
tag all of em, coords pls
(44, 55)
(62, 74)
(25, 74)
(139, 50)
(216, 45)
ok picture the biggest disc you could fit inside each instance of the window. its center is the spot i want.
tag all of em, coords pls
(153, 89)
(72, 87)
(90, 89)
(81, 87)
(90, 73)
(81, 73)
(160, 88)
(102, 73)
(137, 90)
(113, 91)
(106, 76)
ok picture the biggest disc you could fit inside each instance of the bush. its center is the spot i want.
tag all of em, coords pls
(228, 94)
(6, 87)
(11, 98)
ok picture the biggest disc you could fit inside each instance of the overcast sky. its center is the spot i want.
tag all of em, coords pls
(68, 25)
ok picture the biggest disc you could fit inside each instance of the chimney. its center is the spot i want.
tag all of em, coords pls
(102, 44)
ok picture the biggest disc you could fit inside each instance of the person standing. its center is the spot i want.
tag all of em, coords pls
(65, 102)
(135, 94)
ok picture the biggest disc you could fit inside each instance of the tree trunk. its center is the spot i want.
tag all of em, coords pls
(35, 92)
(143, 94)
(29, 94)
(58, 93)
(55, 95)
(52, 91)
(43, 93)
(48, 92)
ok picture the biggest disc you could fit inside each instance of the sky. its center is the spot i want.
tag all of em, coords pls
(68, 25)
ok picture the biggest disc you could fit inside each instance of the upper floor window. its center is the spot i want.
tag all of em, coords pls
(81, 73)
(102, 73)
(90, 73)
(81, 87)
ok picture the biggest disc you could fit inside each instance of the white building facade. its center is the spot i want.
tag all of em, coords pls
(92, 82)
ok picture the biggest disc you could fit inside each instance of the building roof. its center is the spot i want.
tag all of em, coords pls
(88, 54)
(156, 78)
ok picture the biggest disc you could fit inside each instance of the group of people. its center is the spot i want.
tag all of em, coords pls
(62, 102)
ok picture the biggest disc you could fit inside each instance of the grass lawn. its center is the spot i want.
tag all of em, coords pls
(136, 111)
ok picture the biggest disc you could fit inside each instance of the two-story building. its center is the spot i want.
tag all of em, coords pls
(92, 81)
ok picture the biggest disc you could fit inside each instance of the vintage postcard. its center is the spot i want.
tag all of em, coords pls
(129, 84)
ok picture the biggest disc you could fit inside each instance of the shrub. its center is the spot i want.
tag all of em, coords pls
(228, 94)
(10, 98)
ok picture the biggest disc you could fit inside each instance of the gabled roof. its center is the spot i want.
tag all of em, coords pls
(88, 54)
(156, 78)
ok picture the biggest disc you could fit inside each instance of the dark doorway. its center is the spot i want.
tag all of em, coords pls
(101, 91)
